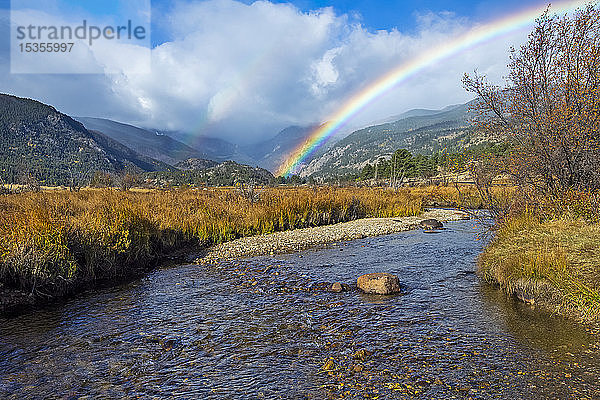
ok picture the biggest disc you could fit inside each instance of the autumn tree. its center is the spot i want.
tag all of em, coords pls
(129, 180)
(102, 179)
(549, 111)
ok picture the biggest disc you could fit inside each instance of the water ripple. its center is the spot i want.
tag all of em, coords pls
(264, 328)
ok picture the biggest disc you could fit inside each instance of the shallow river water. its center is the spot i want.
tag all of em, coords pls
(266, 328)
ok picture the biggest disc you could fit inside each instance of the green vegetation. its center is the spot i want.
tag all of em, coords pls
(402, 165)
(228, 173)
(445, 131)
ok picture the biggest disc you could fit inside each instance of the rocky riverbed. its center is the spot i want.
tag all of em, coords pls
(268, 327)
(301, 239)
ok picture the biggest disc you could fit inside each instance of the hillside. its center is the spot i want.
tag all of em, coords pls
(271, 153)
(151, 144)
(38, 141)
(212, 148)
(195, 164)
(230, 172)
(203, 172)
(421, 132)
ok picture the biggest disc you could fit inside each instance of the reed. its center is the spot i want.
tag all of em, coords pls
(548, 259)
(52, 243)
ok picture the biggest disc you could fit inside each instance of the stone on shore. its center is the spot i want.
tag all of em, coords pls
(378, 283)
(431, 224)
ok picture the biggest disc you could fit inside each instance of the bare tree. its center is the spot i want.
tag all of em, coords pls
(129, 180)
(550, 109)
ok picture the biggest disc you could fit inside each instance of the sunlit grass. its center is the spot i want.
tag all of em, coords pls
(553, 260)
(464, 196)
(51, 242)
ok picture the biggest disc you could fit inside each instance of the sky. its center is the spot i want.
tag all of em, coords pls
(243, 70)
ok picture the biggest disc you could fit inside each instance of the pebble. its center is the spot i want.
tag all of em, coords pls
(337, 287)
(301, 239)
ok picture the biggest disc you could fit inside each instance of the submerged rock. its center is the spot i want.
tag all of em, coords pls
(362, 354)
(329, 365)
(357, 368)
(168, 344)
(338, 287)
(431, 224)
(378, 283)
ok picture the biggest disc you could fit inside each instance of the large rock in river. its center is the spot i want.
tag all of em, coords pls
(431, 224)
(378, 283)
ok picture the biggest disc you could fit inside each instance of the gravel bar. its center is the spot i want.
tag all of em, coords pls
(301, 239)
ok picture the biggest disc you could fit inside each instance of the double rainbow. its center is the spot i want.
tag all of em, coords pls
(400, 74)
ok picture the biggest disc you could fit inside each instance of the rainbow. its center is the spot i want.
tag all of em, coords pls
(404, 71)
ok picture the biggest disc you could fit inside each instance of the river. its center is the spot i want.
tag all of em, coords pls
(265, 327)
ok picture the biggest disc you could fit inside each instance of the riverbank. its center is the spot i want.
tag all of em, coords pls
(300, 239)
(271, 324)
(56, 244)
(548, 262)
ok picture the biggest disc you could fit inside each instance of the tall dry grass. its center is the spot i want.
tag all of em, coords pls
(464, 196)
(54, 242)
(550, 254)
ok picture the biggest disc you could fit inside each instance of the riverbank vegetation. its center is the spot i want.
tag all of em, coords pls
(550, 257)
(52, 243)
(404, 165)
(547, 245)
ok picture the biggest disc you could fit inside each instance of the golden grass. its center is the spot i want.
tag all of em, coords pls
(554, 261)
(54, 242)
(463, 196)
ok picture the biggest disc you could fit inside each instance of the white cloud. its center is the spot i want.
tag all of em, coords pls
(244, 71)
(325, 73)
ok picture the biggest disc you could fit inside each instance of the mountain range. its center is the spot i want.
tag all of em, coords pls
(151, 144)
(37, 139)
(212, 148)
(419, 131)
(271, 153)
(422, 131)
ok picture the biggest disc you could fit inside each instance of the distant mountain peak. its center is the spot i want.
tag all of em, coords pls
(273, 152)
(153, 143)
(38, 140)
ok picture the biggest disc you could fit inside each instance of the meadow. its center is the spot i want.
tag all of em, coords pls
(548, 254)
(53, 243)
(57, 242)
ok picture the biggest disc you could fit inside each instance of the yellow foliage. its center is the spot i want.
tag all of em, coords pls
(553, 260)
(54, 238)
